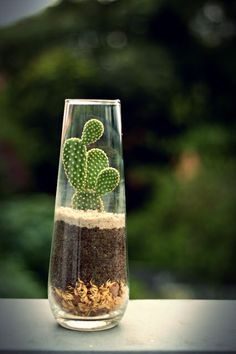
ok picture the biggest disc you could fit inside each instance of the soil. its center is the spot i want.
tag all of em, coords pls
(96, 254)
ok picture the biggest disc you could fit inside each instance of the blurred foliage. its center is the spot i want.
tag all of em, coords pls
(26, 224)
(172, 64)
(188, 225)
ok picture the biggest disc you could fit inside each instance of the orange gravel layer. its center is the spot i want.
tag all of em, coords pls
(90, 299)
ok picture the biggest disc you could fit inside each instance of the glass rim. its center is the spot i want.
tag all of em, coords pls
(82, 101)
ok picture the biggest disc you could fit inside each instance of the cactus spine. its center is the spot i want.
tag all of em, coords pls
(88, 172)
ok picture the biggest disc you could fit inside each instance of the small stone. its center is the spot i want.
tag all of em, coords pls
(114, 289)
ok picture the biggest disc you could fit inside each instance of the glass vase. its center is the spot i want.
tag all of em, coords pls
(87, 287)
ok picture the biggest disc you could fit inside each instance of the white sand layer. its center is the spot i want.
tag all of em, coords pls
(90, 218)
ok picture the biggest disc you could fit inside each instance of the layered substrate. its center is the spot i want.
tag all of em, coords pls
(88, 260)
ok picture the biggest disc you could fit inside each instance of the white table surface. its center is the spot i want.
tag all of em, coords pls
(149, 326)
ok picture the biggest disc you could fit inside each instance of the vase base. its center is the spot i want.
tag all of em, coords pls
(88, 325)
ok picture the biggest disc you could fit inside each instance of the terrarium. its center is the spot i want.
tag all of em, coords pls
(87, 286)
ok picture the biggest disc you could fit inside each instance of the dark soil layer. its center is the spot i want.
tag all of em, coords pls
(87, 254)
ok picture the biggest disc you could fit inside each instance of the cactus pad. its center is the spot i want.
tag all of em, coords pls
(92, 131)
(75, 162)
(88, 200)
(107, 180)
(97, 160)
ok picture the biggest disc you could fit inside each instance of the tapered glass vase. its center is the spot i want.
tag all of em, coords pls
(87, 287)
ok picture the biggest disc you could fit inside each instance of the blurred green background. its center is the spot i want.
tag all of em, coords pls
(172, 64)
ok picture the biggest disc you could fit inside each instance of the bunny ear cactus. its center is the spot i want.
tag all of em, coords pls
(93, 130)
(75, 162)
(87, 200)
(97, 160)
(88, 172)
(107, 180)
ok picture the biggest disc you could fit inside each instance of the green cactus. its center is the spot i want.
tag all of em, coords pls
(75, 162)
(87, 200)
(107, 180)
(88, 172)
(97, 160)
(93, 130)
